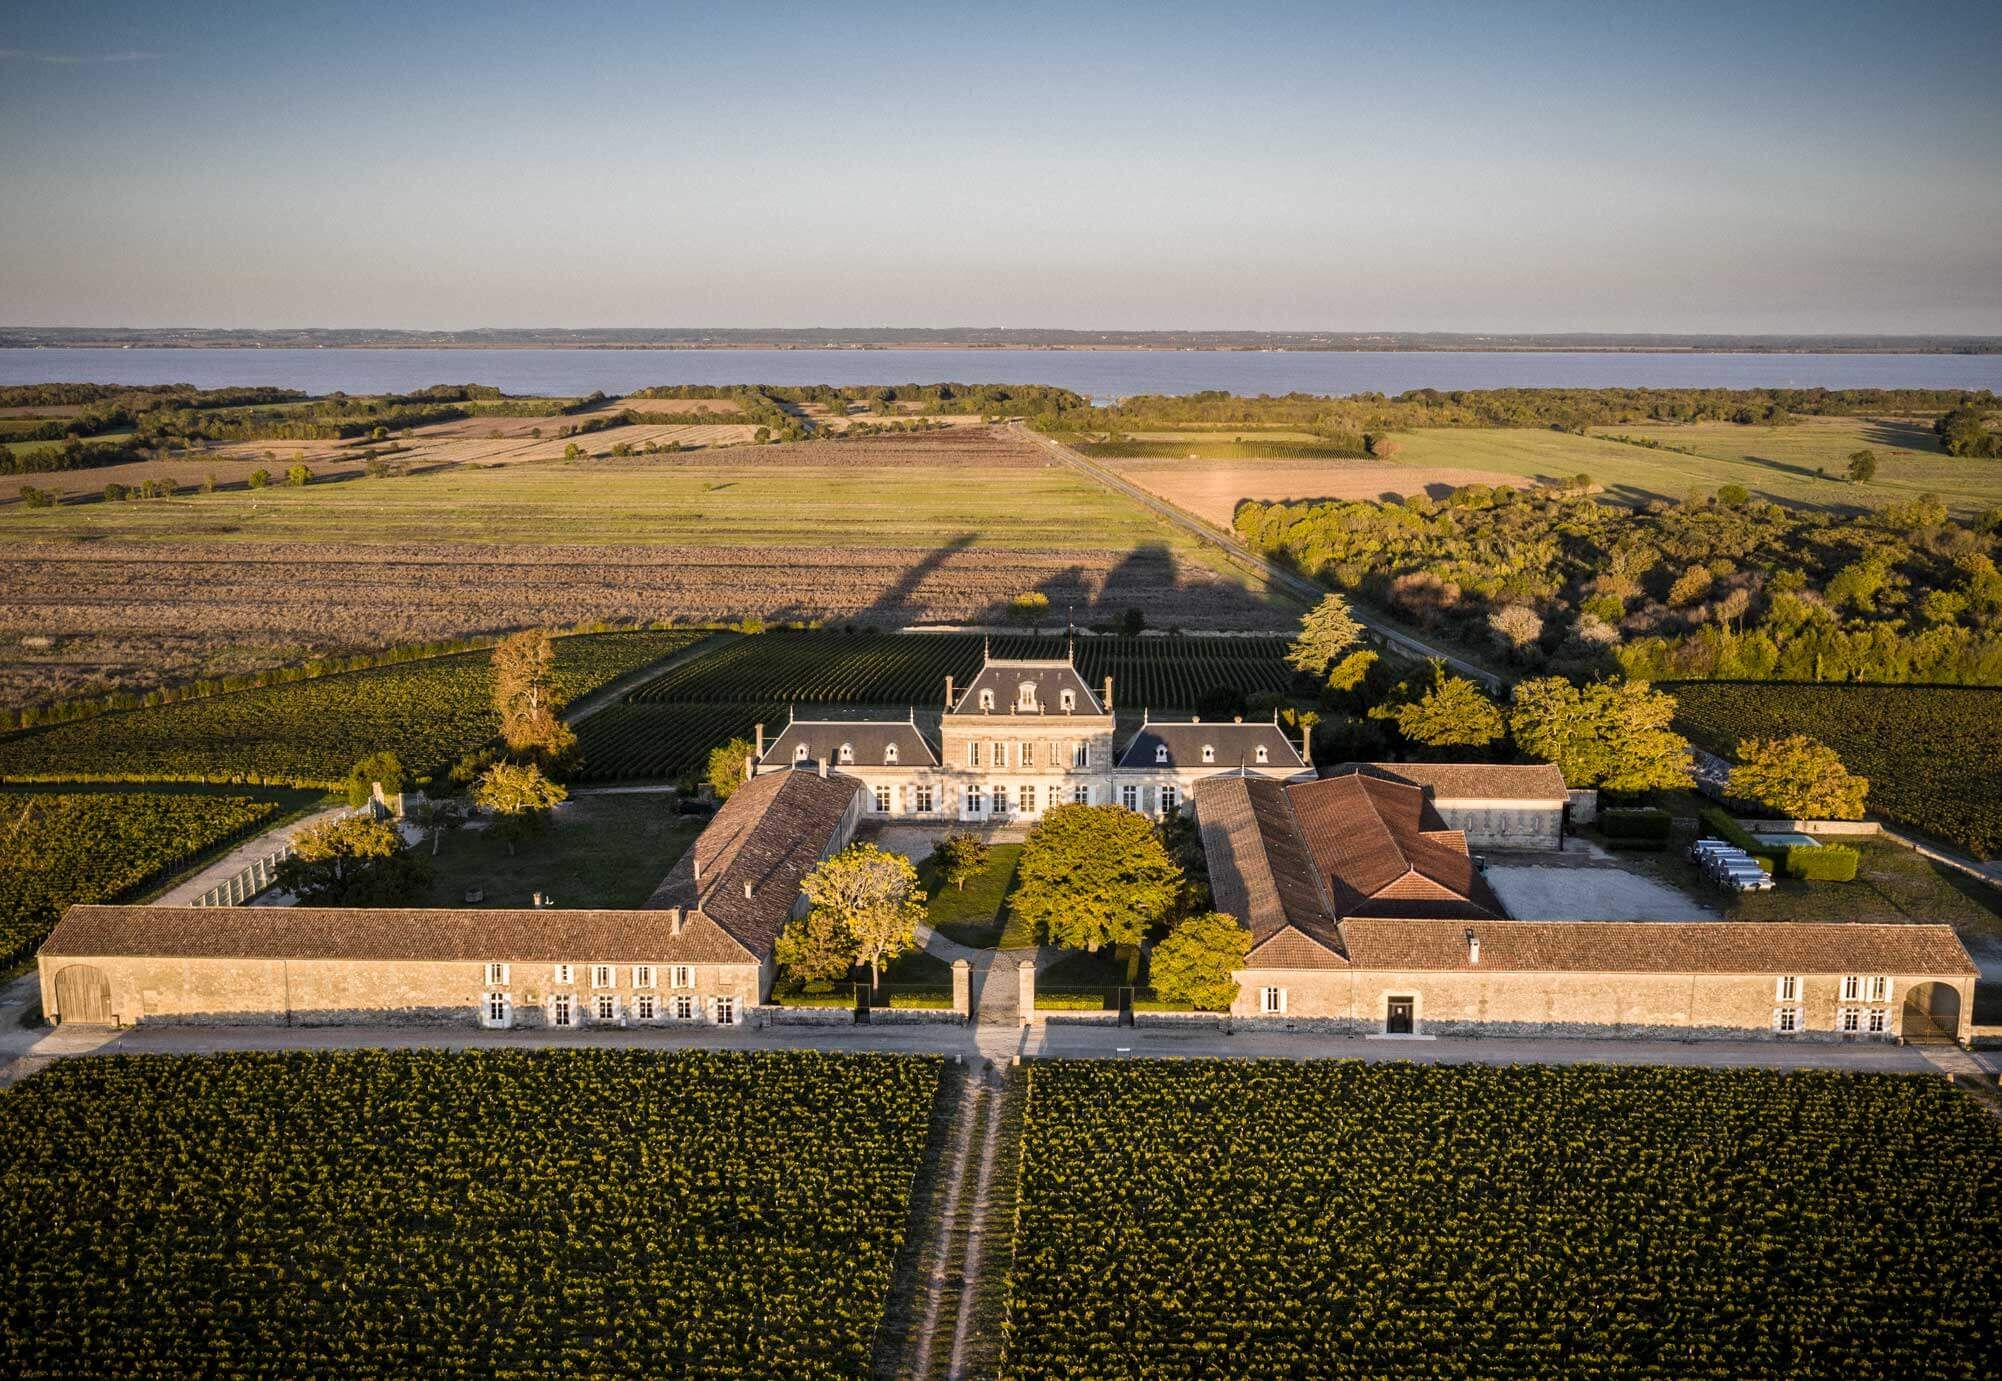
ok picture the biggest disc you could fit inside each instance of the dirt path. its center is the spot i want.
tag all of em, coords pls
(936, 1254)
(980, 1224)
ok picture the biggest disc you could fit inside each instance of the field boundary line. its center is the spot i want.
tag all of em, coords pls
(1299, 587)
(612, 692)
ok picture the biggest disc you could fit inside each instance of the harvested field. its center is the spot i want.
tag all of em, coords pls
(672, 405)
(154, 603)
(1213, 489)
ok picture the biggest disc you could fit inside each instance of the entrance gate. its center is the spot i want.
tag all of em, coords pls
(83, 995)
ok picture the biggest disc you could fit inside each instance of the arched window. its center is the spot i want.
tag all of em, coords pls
(1068, 700)
(799, 753)
(987, 700)
(1209, 753)
(890, 752)
(1025, 695)
(1160, 752)
(1263, 756)
(847, 753)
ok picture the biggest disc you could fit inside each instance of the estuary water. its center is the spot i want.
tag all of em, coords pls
(1100, 374)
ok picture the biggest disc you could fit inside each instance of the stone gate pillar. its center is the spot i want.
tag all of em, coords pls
(962, 988)
(1025, 990)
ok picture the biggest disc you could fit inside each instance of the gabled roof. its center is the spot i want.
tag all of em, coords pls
(1713, 947)
(1538, 782)
(867, 739)
(391, 933)
(1262, 872)
(1231, 744)
(1051, 677)
(770, 833)
(1384, 851)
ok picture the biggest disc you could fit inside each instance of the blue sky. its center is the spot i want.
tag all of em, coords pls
(1385, 166)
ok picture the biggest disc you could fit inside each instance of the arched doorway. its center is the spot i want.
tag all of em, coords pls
(83, 995)
(1932, 1013)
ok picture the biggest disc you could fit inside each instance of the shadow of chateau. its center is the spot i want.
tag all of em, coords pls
(1147, 578)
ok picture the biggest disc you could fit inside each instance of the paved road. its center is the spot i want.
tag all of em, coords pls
(1298, 587)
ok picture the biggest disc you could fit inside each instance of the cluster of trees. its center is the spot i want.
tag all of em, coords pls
(864, 906)
(1964, 432)
(1568, 409)
(1724, 586)
(1799, 777)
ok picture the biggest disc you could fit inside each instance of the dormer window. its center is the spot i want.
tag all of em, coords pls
(1262, 755)
(1209, 753)
(1160, 752)
(847, 753)
(1068, 700)
(799, 753)
(1025, 695)
(890, 753)
(987, 700)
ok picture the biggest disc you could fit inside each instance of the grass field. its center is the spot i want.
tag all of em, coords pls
(1213, 489)
(1778, 462)
(598, 851)
(1198, 1218)
(472, 1213)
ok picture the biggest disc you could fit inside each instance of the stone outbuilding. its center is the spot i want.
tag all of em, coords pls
(1367, 918)
(700, 950)
(1496, 805)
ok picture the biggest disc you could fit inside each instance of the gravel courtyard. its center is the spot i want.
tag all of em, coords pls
(1573, 891)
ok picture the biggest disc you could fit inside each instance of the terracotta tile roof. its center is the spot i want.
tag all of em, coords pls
(1715, 947)
(770, 833)
(1382, 850)
(1467, 781)
(1260, 868)
(1050, 676)
(1233, 745)
(392, 933)
(867, 740)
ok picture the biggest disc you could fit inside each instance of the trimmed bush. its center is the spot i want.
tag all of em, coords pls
(1719, 823)
(1823, 863)
(1644, 827)
(1070, 1000)
(814, 999)
(925, 999)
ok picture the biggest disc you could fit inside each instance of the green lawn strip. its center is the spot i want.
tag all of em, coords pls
(976, 916)
(598, 851)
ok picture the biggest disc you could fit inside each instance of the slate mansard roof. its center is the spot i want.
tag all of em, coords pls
(1516, 783)
(1231, 745)
(770, 833)
(869, 740)
(1051, 677)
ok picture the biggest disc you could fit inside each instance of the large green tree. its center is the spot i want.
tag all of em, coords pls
(1327, 631)
(874, 895)
(519, 796)
(726, 766)
(1798, 776)
(818, 945)
(1610, 734)
(376, 767)
(353, 861)
(960, 857)
(1443, 710)
(1093, 875)
(1195, 963)
(524, 695)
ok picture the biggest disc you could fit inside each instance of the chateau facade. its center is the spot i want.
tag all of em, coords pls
(1025, 735)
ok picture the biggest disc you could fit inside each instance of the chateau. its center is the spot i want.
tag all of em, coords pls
(1021, 737)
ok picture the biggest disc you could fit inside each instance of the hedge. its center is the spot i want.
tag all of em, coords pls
(1161, 1004)
(1731, 832)
(814, 999)
(1823, 862)
(1069, 1000)
(929, 999)
(1645, 827)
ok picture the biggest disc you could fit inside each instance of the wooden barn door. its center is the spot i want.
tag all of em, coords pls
(83, 994)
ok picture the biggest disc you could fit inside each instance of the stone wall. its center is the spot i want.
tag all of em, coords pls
(1491, 825)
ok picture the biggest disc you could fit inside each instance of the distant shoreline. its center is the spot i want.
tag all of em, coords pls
(1219, 343)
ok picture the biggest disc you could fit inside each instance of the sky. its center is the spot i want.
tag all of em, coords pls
(1773, 167)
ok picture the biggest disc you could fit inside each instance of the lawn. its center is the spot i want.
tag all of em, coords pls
(473, 1213)
(598, 851)
(1253, 1219)
(978, 914)
(1778, 462)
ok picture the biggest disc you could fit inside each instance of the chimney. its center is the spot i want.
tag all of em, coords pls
(750, 767)
(747, 893)
(698, 867)
(1307, 744)
(948, 694)
(1237, 719)
(823, 772)
(760, 732)
(1473, 947)
(674, 921)
(1108, 695)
